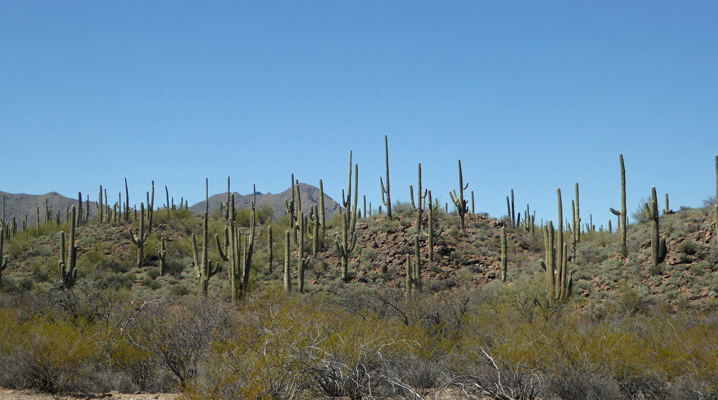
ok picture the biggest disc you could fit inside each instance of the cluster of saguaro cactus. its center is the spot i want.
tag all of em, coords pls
(623, 213)
(529, 221)
(413, 270)
(658, 244)
(459, 202)
(419, 204)
(385, 191)
(202, 263)
(238, 250)
(68, 270)
(345, 244)
(140, 240)
(558, 282)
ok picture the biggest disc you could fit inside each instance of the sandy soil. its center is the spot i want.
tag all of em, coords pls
(9, 394)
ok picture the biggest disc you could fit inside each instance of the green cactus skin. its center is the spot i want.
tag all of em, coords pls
(715, 213)
(162, 255)
(430, 238)
(504, 254)
(100, 209)
(228, 200)
(577, 219)
(409, 280)
(386, 200)
(202, 264)
(508, 210)
(561, 271)
(513, 210)
(127, 202)
(459, 202)
(550, 264)
(287, 279)
(291, 208)
(417, 264)
(658, 244)
(346, 242)
(667, 210)
(622, 223)
(473, 210)
(150, 208)
(140, 240)
(238, 250)
(322, 209)
(314, 225)
(3, 260)
(301, 261)
(68, 272)
(270, 249)
(419, 205)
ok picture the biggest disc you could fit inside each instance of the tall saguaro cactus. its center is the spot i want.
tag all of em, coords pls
(504, 254)
(140, 240)
(561, 272)
(413, 269)
(3, 260)
(386, 200)
(418, 206)
(287, 278)
(461, 204)
(658, 244)
(202, 264)
(345, 244)
(301, 261)
(68, 271)
(549, 265)
(623, 213)
(577, 220)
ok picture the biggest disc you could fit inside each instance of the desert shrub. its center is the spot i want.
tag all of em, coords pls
(54, 356)
(688, 247)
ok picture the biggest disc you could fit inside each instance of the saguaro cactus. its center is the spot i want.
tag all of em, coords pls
(202, 264)
(345, 244)
(287, 279)
(433, 208)
(550, 264)
(162, 255)
(418, 206)
(140, 240)
(413, 269)
(386, 200)
(658, 244)
(577, 219)
(459, 202)
(623, 213)
(561, 271)
(3, 260)
(270, 249)
(68, 271)
(504, 254)
(301, 261)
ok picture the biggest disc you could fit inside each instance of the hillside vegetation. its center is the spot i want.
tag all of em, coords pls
(357, 317)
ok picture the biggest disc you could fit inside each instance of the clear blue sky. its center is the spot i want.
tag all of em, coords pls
(529, 95)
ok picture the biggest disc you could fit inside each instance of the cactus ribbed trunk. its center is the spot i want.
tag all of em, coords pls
(287, 278)
(385, 190)
(561, 272)
(504, 254)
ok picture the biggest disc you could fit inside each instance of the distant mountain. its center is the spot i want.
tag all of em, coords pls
(17, 205)
(309, 194)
